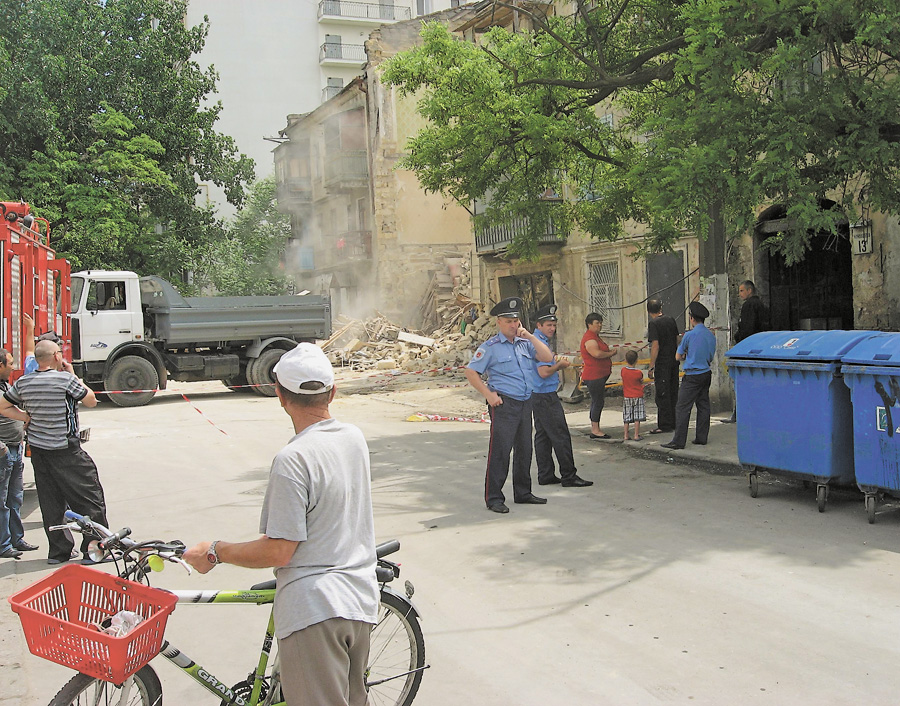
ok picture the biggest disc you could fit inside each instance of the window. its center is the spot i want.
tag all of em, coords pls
(606, 294)
(104, 296)
(607, 120)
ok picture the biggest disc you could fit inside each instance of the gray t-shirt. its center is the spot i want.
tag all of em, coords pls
(319, 494)
(51, 398)
(12, 431)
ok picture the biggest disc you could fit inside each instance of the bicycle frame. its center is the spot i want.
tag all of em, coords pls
(202, 675)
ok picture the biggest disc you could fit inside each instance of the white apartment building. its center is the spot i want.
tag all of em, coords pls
(281, 57)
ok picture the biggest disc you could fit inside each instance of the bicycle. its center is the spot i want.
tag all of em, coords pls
(396, 658)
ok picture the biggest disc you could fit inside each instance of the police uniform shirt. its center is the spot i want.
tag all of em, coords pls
(509, 365)
(698, 346)
(551, 382)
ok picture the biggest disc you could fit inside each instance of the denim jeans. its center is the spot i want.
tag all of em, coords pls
(11, 494)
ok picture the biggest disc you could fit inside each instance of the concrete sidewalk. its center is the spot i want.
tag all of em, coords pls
(718, 455)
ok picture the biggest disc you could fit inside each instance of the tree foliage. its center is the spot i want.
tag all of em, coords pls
(662, 111)
(106, 133)
(247, 258)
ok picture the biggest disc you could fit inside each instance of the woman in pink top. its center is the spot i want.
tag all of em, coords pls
(597, 368)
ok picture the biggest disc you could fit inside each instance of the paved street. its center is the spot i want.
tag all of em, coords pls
(662, 582)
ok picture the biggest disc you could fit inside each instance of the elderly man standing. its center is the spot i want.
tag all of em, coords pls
(551, 432)
(318, 531)
(507, 360)
(65, 475)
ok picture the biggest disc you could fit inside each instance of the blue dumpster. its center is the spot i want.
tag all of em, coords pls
(793, 409)
(872, 372)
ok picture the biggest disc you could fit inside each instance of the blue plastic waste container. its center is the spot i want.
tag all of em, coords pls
(872, 372)
(793, 409)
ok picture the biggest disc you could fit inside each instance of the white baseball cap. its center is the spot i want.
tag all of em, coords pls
(305, 363)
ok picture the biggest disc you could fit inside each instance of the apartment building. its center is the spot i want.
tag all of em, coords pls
(282, 57)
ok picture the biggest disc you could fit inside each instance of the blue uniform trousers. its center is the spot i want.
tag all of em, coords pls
(510, 433)
(551, 434)
(694, 390)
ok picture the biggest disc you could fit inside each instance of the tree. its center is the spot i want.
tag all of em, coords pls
(105, 130)
(664, 112)
(247, 258)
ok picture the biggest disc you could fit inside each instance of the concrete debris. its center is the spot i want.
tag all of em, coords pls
(379, 344)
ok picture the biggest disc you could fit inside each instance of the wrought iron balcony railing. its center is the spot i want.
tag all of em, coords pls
(496, 238)
(376, 12)
(342, 52)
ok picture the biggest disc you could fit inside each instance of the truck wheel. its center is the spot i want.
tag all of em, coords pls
(259, 371)
(131, 372)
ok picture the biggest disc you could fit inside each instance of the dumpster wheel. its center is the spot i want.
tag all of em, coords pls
(754, 484)
(821, 496)
(871, 502)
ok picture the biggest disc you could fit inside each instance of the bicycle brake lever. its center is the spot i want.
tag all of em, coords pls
(72, 527)
(187, 567)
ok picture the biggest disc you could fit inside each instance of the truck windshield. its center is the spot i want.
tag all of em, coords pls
(77, 289)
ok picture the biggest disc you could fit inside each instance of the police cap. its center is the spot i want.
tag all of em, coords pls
(510, 307)
(698, 311)
(548, 313)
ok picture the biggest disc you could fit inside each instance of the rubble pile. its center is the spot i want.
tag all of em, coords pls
(379, 344)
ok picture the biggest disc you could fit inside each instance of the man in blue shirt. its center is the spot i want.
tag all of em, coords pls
(698, 346)
(551, 432)
(508, 360)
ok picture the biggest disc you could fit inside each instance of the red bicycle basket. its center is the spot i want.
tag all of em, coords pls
(61, 612)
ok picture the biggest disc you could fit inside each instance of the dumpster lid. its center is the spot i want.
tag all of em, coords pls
(880, 349)
(822, 346)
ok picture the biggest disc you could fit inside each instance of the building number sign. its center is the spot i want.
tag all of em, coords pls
(862, 243)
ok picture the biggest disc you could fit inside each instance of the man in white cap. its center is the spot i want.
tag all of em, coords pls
(318, 533)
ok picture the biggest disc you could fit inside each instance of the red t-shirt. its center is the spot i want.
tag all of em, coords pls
(594, 368)
(632, 382)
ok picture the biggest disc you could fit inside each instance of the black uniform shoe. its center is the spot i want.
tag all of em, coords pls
(576, 482)
(498, 507)
(671, 445)
(550, 481)
(699, 443)
(10, 554)
(24, 546)
(532, 500)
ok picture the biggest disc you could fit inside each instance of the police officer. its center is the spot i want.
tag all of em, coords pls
(508, 360)
(697, 348)
(551, 433)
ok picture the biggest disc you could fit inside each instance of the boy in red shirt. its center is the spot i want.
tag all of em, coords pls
(633, 388)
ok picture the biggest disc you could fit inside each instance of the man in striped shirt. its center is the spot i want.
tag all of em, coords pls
(47, 401)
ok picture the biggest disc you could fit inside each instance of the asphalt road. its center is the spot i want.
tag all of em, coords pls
(660, 583)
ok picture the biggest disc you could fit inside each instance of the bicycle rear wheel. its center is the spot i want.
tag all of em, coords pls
(397, 648)
(82, 690)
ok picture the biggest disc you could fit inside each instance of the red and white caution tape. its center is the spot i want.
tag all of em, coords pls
(422, 417)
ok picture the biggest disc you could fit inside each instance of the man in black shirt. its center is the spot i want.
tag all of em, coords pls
(754, 315)
(753, 319)
(662, 332)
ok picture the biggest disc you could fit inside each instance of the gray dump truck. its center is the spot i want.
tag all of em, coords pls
(131, 335)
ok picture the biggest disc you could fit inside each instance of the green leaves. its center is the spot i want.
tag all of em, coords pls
(656, 113)
(106, 131)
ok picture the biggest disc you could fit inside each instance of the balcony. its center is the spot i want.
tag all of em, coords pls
(361, 12)
(330, 92)
(497, 238)
(353, 245)
(294, 191)
(346, 170)
(342, 55)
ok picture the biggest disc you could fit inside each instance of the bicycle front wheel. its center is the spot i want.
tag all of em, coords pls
(397, 650)
(82, 690)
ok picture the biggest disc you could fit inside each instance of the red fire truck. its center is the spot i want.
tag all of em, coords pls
(33, 280)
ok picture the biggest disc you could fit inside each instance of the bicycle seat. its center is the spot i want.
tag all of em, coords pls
(264, 586)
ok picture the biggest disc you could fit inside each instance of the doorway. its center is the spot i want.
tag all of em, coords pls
(665, 281)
